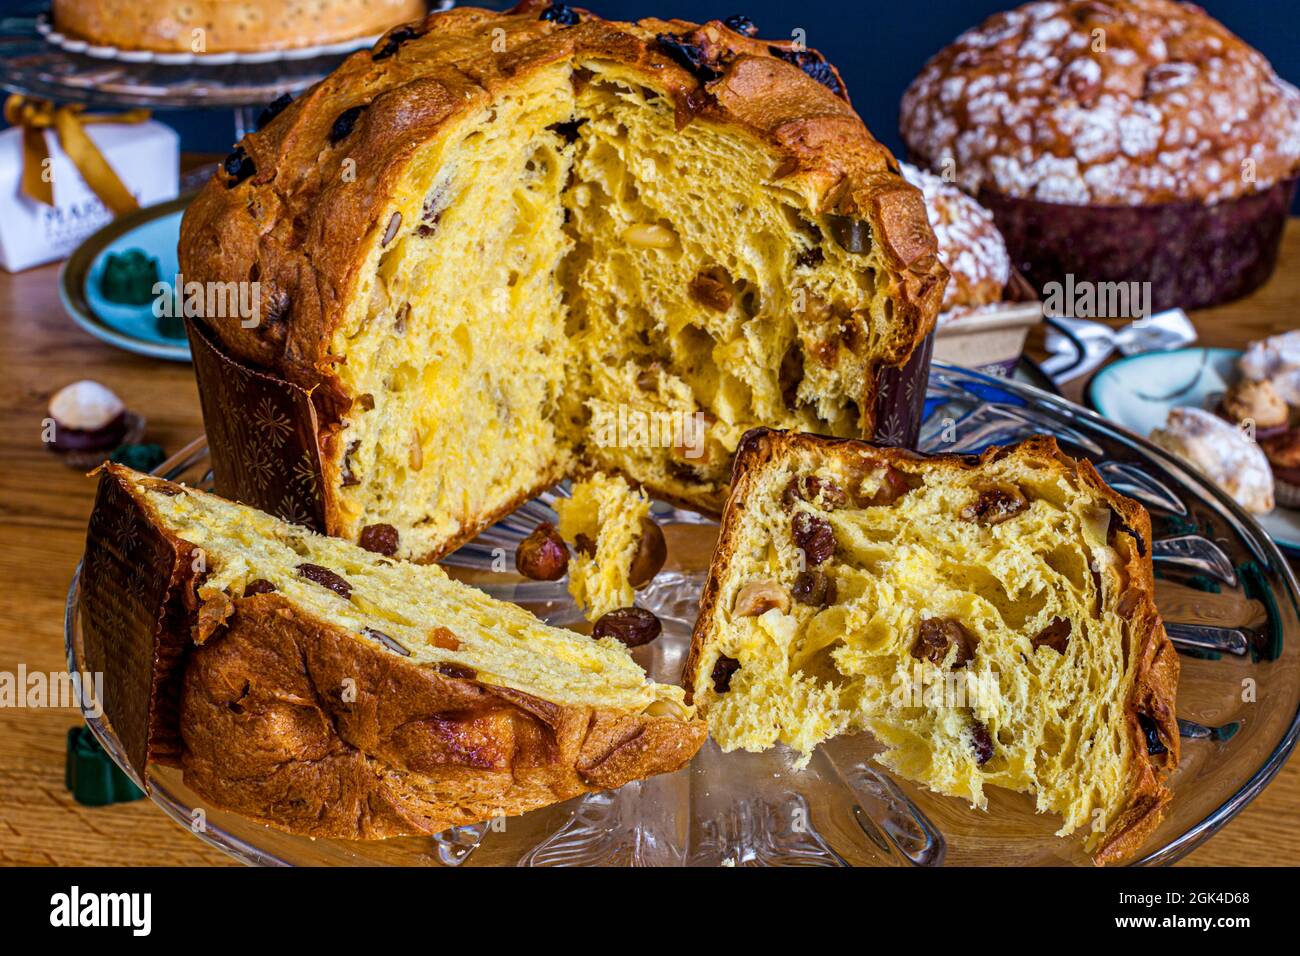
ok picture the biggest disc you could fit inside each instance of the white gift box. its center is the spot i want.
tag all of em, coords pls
(145, 156)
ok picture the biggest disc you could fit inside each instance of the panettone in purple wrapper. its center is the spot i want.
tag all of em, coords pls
(1117, 141)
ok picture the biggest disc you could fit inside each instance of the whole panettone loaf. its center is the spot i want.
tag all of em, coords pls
(220, 26)
(498, 247)
(991, 622)
(322, 689)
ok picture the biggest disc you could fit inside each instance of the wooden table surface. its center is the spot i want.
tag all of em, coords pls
(43, 511)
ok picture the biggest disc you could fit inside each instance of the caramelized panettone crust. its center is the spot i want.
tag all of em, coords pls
(846, 572)
(324, 690)
(491, 232)
(1104, 102)
(225, 25)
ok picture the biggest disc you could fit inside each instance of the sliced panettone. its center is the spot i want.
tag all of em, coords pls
(618, 547)
(499, 249)
(990, 622)
(320, 688)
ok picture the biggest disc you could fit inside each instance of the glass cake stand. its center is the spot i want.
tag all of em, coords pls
(1228, 597)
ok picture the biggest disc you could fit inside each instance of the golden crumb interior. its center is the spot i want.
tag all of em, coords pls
(567, 276)
(602, 522)
(414, 610)
(1027, 693)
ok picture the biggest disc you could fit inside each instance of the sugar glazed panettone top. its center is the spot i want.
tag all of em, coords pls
(500, 247)
(1105, 102)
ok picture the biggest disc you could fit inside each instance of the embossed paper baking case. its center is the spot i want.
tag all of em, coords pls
(1193, 254)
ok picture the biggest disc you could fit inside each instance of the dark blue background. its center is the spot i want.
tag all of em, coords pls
(878, 45)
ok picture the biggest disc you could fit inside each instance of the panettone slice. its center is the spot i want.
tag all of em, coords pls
(501, 248)
(322, 689)
(991, 622)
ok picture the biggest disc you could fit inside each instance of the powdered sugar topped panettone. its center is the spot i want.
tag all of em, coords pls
(970, 244)
(1122, 102)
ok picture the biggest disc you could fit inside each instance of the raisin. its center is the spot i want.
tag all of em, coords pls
(741, 24)
(350, 479)
(238, 167)
(722, 673)
(583, 544)
(710, 291)
(561, 13)
(326, 579)
(393, 42)
(1120, 525)
(633, 626)
(815, 65)
(810, 488)
(344, 122)
(379, 538)
(853, 235)
(814, 588)
(995, 505)
(455, 671)
(936, 634)
(1155, 746)
(651, 553)
(388, 642)
(258, 586)
(810, 258)
(542, 555)
(981, 742)
(1056, 636)
(893, 486)
(813, 535)
(272, 110)
(688, 55)
(790, 376)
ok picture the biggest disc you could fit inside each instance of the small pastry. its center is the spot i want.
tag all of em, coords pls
(1284, 455)
(1222, 453)
(87, 421)
(1258, 402)
(1276, 360)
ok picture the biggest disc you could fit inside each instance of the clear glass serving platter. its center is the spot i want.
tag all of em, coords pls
(1227, 594)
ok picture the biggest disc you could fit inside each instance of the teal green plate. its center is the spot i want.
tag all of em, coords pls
(155, 230)
(1137, 393)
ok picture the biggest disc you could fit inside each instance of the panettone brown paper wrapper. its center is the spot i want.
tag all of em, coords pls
(135, 623)
(263, 435)
(1193, 254)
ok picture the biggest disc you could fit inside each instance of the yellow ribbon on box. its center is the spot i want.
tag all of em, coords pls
(32, 116)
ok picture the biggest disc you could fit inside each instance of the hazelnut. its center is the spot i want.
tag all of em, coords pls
(759, 597)
(542, 555)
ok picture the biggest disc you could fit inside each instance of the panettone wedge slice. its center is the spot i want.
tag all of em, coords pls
(990, 622)
(326, 690)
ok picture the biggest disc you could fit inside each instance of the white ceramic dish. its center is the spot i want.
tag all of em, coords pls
(1137, 393)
